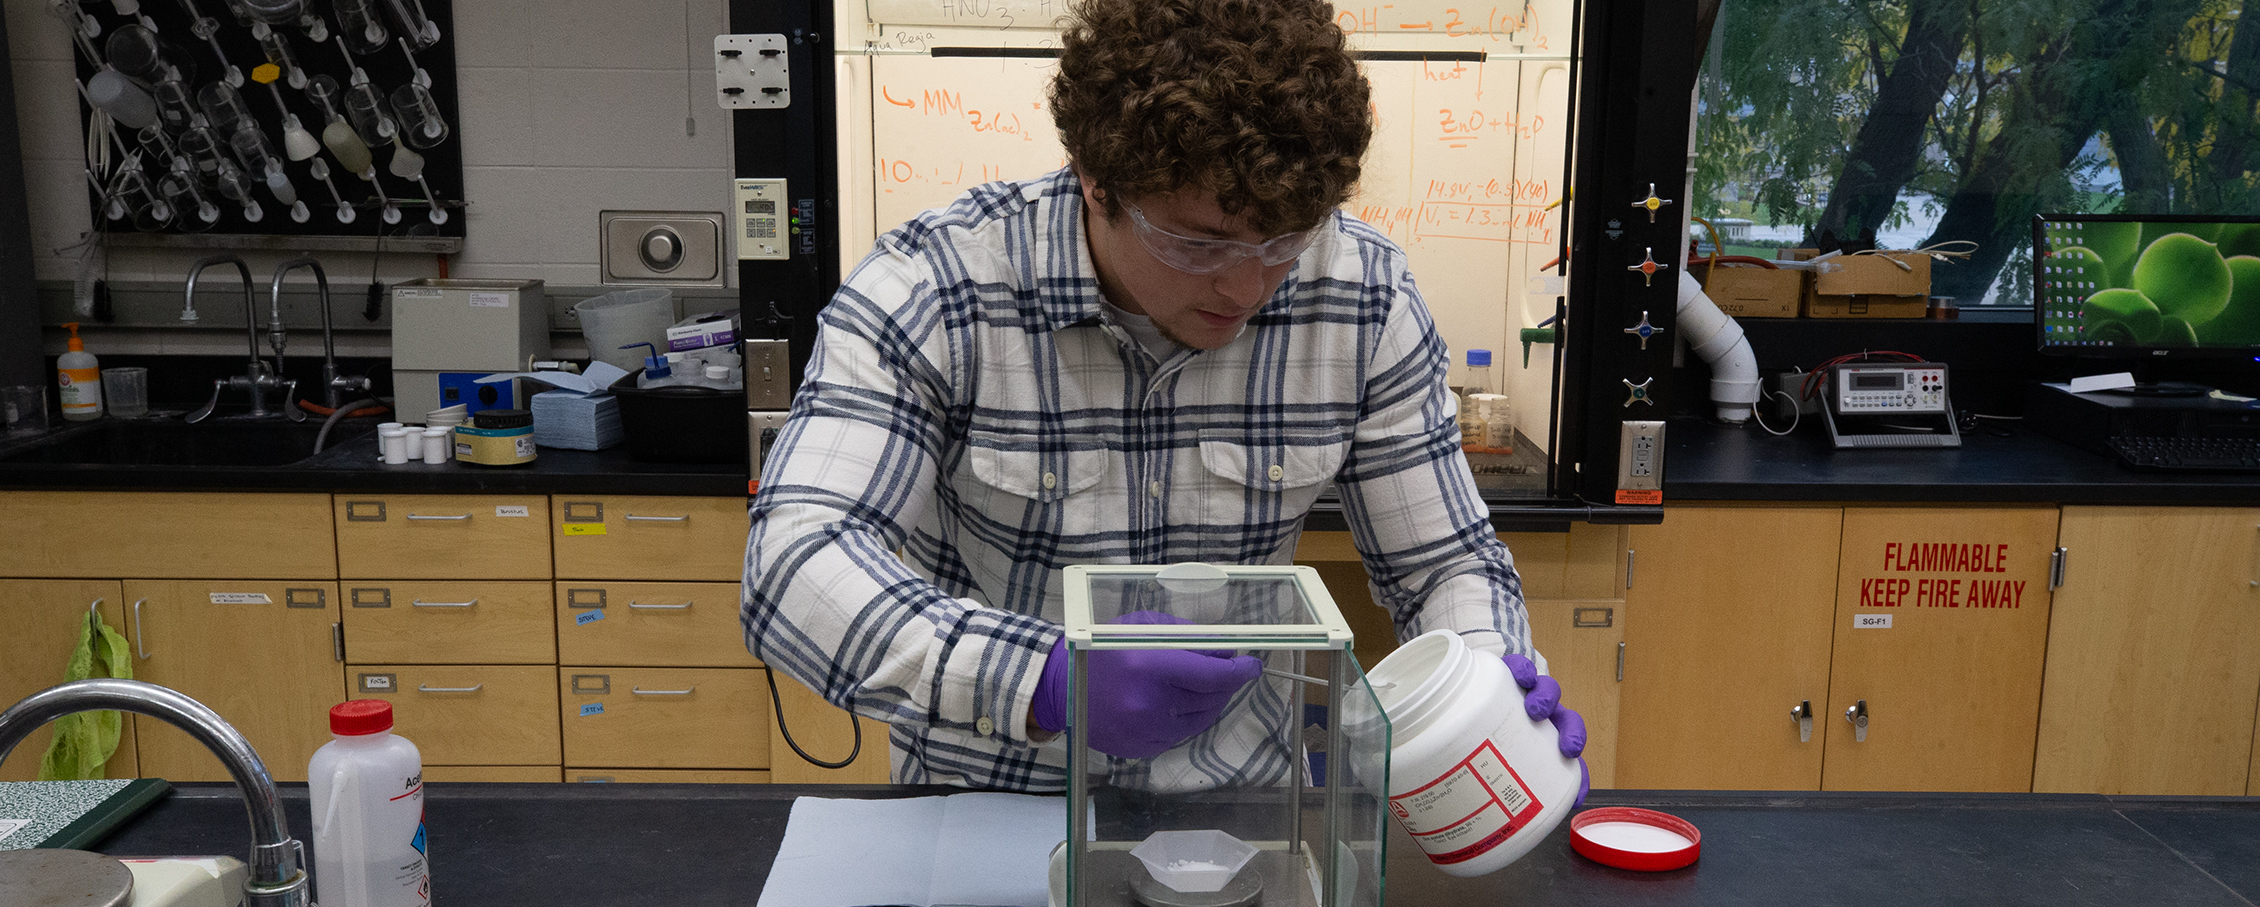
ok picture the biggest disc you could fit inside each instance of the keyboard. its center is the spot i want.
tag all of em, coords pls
(2188, 454)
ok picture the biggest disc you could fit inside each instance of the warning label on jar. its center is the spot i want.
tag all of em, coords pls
(1476, 805)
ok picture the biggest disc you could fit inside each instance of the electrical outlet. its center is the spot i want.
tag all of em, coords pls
(1640, 457)
(762, 220)
(752, 72)
(761, 432)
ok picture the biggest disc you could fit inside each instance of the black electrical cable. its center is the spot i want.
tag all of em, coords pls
(782, 731)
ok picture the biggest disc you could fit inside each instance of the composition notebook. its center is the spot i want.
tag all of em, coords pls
(70, 814)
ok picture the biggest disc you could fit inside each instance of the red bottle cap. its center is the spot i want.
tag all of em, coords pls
(358, 717)
(1628, 837)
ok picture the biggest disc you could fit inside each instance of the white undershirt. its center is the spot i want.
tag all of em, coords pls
(1143, 330)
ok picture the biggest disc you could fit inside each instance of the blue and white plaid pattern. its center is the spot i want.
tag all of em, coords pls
(970, 406)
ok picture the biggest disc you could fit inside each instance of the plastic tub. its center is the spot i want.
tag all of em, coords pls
(682, 423)
(624, 317)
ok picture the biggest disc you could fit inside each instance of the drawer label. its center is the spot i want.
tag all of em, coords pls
(588, 617)
(511, 510)
(584, 528)
(592, 708)
(378, 683)
(1871, 621)
(241, 598)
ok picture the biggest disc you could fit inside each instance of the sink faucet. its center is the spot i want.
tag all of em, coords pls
(278, 873)
(334, 385)
(258, 378)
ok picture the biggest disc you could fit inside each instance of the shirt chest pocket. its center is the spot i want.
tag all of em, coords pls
(1294, 463)
(1033, 468)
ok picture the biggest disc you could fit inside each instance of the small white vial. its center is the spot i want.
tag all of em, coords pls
(436, 445)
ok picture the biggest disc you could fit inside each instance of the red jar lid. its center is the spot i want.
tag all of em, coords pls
(356, 717)
(1628, 837)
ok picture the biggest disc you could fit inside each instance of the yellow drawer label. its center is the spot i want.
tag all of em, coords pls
(584, 528)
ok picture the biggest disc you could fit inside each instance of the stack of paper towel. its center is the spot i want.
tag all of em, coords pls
(577, 421)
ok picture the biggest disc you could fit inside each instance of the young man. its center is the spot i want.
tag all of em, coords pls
(1162, 353)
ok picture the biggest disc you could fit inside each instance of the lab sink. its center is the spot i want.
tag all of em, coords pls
(171, 442)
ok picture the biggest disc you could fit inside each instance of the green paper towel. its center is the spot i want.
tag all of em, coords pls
(85, 740)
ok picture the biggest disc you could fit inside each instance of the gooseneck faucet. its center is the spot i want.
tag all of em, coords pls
(334, 385)
(257, 377)
(278, 861)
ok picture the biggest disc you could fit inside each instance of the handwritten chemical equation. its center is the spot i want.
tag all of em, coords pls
(1507, 223)
(895, 171)
(1458, 129)
(1511, 25)
(949, 103)
(975, 13)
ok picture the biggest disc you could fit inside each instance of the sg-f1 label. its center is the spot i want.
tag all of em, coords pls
(1871, 621)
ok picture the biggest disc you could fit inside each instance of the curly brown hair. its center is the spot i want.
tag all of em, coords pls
(1257, 101)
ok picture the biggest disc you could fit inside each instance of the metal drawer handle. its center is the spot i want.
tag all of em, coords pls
(660, 519)
(420, 688)
(426, 516)
(138, 648)
(645, 607)
(640, 691)
(420, 603)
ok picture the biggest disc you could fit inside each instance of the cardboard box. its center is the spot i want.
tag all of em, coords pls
(1879, 274)
(1752, 292)
(1871, 286)
(1865, 306)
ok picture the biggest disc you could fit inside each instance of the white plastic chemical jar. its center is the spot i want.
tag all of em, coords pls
(1471, 777)
(368, 791)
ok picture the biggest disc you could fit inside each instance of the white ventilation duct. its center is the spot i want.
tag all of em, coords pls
(1719, 340)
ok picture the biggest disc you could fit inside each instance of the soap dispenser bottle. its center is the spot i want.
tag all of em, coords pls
(79, 375)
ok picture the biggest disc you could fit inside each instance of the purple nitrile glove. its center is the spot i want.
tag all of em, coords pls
(1542, 700)
(1144, 701)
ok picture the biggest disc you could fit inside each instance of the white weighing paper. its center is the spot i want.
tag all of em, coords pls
(598, 377)
(973, 848)
(1636, 837)
(2092, 383)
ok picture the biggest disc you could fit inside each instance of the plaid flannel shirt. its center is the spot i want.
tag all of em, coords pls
(970, 406)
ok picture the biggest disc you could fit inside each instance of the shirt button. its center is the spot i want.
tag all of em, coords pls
(1051, 481)
(1154, 490)
(985, 726)
(1278, 472)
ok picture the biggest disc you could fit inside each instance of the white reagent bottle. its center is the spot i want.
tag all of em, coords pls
(368, 793)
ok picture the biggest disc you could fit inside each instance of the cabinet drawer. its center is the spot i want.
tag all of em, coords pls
(467, 714)
(672, 624)
(442, 622)
(660, 538)
(664, 717)
(167, 536)
(443, 536)
(664, 776)
(492, 774)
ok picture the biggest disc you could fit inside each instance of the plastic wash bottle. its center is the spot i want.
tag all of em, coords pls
(79, 376)
(368, 793)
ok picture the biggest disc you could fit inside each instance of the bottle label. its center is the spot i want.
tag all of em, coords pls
(81, 389)
(1473, 807)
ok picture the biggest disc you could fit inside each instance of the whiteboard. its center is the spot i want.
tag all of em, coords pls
(1464, 171)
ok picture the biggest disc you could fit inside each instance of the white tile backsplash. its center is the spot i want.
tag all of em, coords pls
(567, 108)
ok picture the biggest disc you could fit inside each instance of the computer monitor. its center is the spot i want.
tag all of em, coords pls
(2147, 288)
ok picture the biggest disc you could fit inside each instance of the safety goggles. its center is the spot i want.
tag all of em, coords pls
(1208, 256)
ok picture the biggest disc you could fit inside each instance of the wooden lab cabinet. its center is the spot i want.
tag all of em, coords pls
(1940, 631)
(1929, 623)
(44, 618)
(473, 715)
(443, 536)
(264, 654)
(1728, 630)
(2154, 659)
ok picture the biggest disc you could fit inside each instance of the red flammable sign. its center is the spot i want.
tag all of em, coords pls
(1975, 590)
